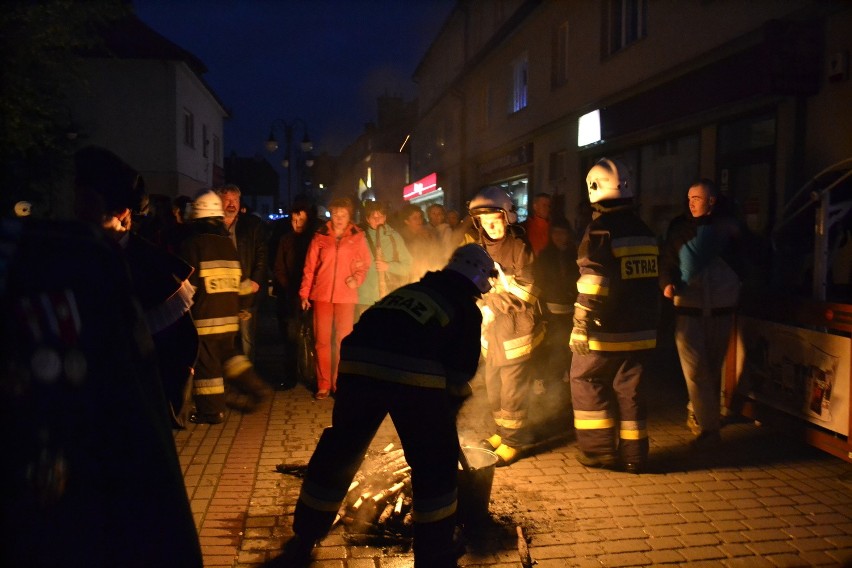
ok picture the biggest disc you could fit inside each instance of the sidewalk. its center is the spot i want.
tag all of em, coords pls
(761, 500)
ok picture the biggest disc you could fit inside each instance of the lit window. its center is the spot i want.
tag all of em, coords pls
(519, 83)
(628, 22)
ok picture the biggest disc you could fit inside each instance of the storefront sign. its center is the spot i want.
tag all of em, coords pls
(420, 187)
(800, 371)
(517, 157)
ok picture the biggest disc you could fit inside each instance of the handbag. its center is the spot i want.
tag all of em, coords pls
(306, 355)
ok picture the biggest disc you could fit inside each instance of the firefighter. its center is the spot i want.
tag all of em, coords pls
(509, 330)
(615, 324)
(216, 306)
(410, 355)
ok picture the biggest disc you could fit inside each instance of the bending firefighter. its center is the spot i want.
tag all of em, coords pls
(410, 356)
(509, 331)
(615, 325)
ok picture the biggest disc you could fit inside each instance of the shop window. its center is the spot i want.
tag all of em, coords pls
(560, 55)
(519, 83)
(628, 23)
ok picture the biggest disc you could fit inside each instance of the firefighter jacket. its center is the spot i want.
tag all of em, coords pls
(425, 334)
(700, 258)
(331, 261)
(513, 334)
(617, 297)
(216, 278)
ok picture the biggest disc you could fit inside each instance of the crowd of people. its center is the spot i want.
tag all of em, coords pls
(403, 309)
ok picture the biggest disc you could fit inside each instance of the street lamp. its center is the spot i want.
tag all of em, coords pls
(290, 151)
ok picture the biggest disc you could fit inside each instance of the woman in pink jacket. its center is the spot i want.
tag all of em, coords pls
(337, 262)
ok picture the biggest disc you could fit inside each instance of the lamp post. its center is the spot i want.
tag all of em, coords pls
(291, 155)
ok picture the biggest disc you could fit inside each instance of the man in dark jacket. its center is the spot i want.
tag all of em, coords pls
(248, 233)
(290, 254)
(615, 324)
(410, 355)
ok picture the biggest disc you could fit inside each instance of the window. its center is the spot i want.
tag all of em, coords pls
(519, 83)
(560, 55)
(188, 128)
(628, 22)
(205, 142)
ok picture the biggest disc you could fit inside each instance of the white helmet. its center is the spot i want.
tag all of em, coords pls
(608, 179)
(207, 203)
(492, 199)
(474, 263)
(23, 209)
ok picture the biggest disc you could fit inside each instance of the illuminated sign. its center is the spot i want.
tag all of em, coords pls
(589, 128)
(420, 187)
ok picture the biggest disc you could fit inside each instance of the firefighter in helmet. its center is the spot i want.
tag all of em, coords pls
(410, 356)
(615, 324)
(509, 330)
(215, 310)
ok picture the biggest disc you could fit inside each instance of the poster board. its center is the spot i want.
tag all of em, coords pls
(799, 371)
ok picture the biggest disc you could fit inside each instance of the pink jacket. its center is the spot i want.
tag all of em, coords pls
(331, 261)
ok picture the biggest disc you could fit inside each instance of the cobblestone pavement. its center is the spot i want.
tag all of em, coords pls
(759, 500)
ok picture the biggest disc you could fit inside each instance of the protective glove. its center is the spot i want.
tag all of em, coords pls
(579, 342)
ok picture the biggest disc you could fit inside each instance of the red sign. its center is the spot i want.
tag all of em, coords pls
(420, 187)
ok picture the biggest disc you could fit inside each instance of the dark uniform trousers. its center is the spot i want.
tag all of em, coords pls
(610, 409)
(218, 361)
(425, 419)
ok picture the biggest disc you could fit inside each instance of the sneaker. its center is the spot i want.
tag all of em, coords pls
(604, 461)
(707, 440)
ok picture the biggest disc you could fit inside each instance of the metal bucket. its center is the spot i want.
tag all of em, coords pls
(475, 484)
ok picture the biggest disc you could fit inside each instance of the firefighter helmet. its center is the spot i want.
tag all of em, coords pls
(207, 203)
(608, 179)
(23, 209)
(492, 199)
(474, 263)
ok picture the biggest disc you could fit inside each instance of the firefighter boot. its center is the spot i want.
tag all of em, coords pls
(295, 554)
(240, 373)
(491, 443)
(506, 455)
(604, 461)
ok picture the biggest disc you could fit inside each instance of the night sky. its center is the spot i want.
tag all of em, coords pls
(324, 61)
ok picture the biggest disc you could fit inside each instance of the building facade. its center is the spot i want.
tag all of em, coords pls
(146, 100)
(754, 95)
